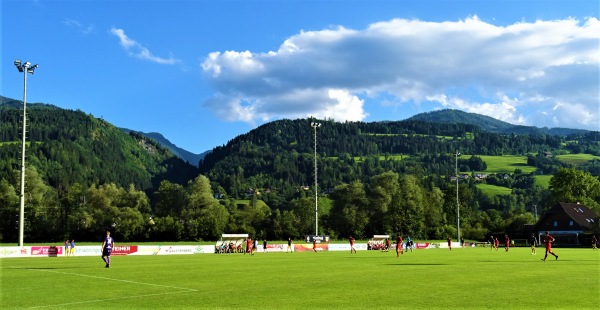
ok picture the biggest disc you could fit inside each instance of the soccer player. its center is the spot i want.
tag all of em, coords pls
(265, 245)
(533, 241)
(399, 246)
(289, 248)
(548, 241)
(67, 244)
(492, 243)
(315, 245)
(249, 246)
(450, 243)
(594, 242)
(506, 243)
(352, 249)
(387, 244)
(496, 243)
(107, 247)
(409, 244)
(73, 248)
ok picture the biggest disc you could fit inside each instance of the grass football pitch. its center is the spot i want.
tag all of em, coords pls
(470, 278)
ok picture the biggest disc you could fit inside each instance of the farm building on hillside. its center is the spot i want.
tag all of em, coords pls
(568, 223)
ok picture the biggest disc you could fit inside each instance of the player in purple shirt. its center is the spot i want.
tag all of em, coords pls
(107, 247)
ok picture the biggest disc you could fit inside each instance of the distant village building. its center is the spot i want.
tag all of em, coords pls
(568, 222)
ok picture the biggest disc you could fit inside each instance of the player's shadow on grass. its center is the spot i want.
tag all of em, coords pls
(414, 264)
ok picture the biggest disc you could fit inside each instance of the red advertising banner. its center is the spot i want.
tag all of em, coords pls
(47, 250)
(422, 245)
(124, 250)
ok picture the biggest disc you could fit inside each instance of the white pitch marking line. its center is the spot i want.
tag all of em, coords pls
(104, 299)
(182, 289)
(118, 280)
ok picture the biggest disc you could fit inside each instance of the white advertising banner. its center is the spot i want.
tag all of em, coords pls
(444, 245)
(346, 246)
(88, 250)
(177, 249)
(11, 251)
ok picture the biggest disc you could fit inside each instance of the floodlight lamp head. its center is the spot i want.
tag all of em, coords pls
(18, 65)
(27, 64)
(30, 70)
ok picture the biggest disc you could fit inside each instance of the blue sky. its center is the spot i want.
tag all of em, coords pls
(203, 72)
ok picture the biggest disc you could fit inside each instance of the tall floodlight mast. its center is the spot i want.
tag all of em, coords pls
(25, 68)
(315, 126)
(457, 202)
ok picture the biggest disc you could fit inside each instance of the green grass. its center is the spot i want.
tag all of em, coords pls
(471, 278)
(577, 159)
(493, 190)
(543, 180)
(506, 164)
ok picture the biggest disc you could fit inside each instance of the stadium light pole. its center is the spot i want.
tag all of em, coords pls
(25, 68)
(457, 203)
(315, 125)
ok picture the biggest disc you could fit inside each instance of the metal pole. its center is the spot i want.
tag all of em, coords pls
(22, 194)
(457, 203)
(316, 188)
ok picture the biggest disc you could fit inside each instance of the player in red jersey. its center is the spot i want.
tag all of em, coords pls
(496, 243)
(249, 246)
(548, 241)
(399, 246)
(315, 244)
(506, 243)
(352, 249)
(450, 243)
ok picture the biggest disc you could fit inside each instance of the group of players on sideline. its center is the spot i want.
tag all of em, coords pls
(70, 248)
(251, 246)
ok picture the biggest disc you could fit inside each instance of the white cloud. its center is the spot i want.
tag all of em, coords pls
(469, 64)
(84, 30)
(137, 50)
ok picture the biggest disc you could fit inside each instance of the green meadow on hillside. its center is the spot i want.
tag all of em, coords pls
(505, 164)
(543, 181)
(577, 159)
(494, 190)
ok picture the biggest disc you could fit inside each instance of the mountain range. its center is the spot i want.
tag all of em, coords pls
(189, 157)
(489, 124)
(446, 116)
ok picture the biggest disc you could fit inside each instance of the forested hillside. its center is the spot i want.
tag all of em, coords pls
(84, 176)
(68, 150)
(280, 154)
(489, 124)
(397, 176)
(189, 157)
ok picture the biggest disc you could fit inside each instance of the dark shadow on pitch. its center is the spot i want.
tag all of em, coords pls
(413, 264)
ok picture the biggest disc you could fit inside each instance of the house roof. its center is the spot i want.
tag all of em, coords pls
(581, 214)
